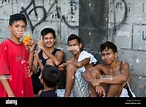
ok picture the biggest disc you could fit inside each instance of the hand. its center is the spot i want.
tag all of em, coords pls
(61, 67)
(100, 90)
(95, 82)
(27, 69)
(36, 56)
(28, 72)
(11, 94)
(31, 45)
(40, 44)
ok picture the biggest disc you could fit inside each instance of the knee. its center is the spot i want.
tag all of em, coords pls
(95, 73)
(71, 67)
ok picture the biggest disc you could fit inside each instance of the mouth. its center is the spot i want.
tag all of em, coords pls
(19, 34)
(48, 44)
(106, 61)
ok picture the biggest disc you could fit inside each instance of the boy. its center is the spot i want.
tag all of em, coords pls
(49, 77)
(15, 61)
(47, 55)
(115, 78)
(76, 86)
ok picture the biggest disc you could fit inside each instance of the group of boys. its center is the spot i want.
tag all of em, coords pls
(84, 77)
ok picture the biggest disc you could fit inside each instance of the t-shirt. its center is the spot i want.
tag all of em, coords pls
(14, 62)
(48, 93)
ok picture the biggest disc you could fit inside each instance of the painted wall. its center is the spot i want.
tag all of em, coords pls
(61, 15)
(127, 26)
(122, 22)
(93, 25)
(95, 21)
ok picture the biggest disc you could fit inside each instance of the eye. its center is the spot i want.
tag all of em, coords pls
(17, 26)
(108, 53)
(24, 27)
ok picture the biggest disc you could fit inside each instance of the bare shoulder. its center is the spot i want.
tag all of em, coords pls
(100, 66)
(124, 64)
(60, 52)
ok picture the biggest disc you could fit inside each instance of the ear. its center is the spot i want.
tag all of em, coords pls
(116, 54)
(9, 28)
(80, 45)
(54, 40)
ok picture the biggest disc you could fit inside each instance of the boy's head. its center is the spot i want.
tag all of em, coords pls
(74, 44)
(45, 31)
(72, 37)
(17, 17)
(109, 52)
(108, 45)
(50, 75)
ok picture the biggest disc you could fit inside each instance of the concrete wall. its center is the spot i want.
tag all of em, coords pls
(93, 25)
(95, 21)
(61, 15)
(127, 26)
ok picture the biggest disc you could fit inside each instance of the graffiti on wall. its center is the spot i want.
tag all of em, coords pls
(54, 11)
(118, 6)
(130, 16)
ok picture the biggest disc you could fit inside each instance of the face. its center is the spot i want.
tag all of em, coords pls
(49, 40)
(108, 56)
(74, 46)
(17, 29)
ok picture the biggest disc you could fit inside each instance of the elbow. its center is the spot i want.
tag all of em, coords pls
(57, 63)
(124, 79)
(79, 65)
(34, 71)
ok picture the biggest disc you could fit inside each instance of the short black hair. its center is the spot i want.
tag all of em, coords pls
(17, 17)
(108, 45)
(73, 36)
(48, 30)
(51, 75)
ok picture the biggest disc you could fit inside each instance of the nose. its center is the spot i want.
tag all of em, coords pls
(105, 56)
(20, 29)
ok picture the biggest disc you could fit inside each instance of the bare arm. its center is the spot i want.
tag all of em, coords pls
(30, 49)
(81, 63)
(36, 63)
(30, 60)
(116, 79)
(57, 59)
(7, 87)
(88, 76)
(66, 63)
(75, 62)
(59, 55)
